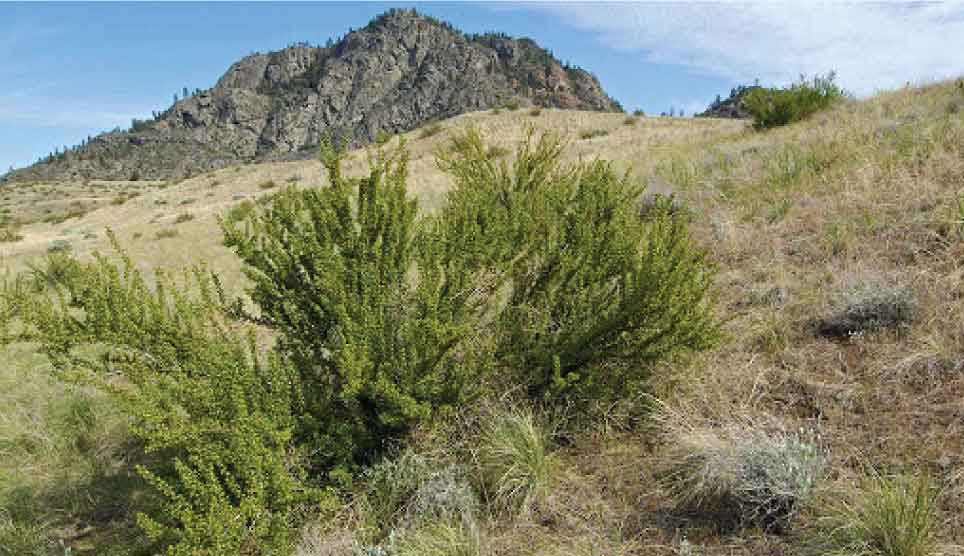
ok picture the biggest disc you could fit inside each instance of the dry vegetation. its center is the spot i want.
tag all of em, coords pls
(831, 413)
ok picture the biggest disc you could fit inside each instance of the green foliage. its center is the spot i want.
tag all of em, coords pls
(589, 293)
(366, 312)
(535, 112)
(183, 217)
(240, 212)
(440, 538)
(772, 107)
(888, 516)
(212, 416)
(268, 184)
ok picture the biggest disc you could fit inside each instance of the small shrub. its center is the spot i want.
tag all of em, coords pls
(630, 121)
(738, 472)
(240, 212)
(293, 178)
(535, 112)
(268, 184)
(430, 130)
(137, 235)
(866, 304)
(166, 233)
(772, 107)
(511, 105)
(514, 462)
(188, 201)
(495, 111)
(390, 485)
(592, 133)
(183, 217)
(119, 200)
(199, 397)
(639, 113)
(888, 516)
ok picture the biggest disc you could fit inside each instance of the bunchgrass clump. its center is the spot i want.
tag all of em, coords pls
(887, 516)
(515, 464)
(440, 538)
(739, 472)
(630, 121)
(535, 112)
(267, 184)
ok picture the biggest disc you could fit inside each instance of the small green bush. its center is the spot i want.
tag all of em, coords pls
(771, 107)
(64, 216)
(639, 113)
(268, 184)
(888, 516)
(511, 105)
(535, 112)
(240, 211)
(183, 217)
(212, 416)
(10, 234)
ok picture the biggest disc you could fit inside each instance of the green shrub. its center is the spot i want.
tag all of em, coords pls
(590, 293)
(514, 462)
(240, 211)
(888, 516)
(639, 113)
(535, 112)
(212, 416)
(183, 217)
(64, 216)
(511, 105)
(541, 272)
(268, 184)
(332, 274)
(771, 107)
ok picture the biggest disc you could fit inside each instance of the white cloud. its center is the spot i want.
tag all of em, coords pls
(872, 46)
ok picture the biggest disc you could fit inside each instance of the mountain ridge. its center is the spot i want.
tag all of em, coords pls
(397, 73)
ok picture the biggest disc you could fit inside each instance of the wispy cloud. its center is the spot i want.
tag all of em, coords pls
(872, 46)
(64, 115)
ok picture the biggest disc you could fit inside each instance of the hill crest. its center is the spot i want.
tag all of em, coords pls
(398, 72)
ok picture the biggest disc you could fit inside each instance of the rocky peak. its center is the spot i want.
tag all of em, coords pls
(393, 75)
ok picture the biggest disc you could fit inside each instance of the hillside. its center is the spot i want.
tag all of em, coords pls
(398, 72)
(837, 243)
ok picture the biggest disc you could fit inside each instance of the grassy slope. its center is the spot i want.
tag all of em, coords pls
(789, 215)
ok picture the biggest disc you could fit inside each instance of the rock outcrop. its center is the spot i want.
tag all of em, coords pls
(403, 69)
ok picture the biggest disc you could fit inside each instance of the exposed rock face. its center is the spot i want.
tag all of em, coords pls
(400, 71)
(730, 107)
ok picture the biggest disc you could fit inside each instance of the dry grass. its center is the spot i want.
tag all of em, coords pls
(786, 215)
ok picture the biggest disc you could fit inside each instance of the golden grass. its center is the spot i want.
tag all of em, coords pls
(867, 188)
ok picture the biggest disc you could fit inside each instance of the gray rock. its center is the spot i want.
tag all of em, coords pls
(400, 71)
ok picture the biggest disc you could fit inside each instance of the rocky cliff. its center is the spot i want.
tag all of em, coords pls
(400, 71)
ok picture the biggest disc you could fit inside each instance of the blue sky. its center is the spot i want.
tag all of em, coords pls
(75, 69)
